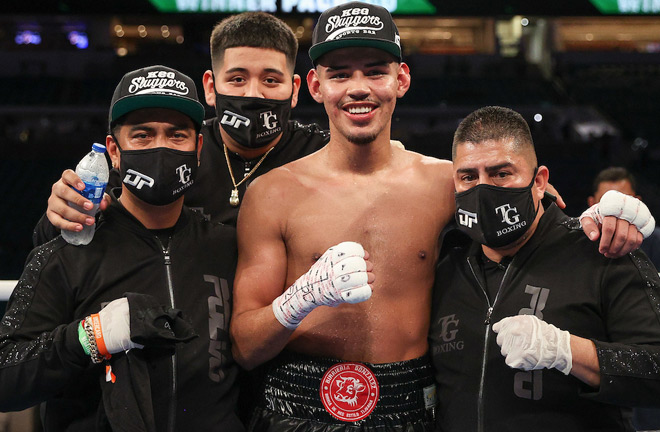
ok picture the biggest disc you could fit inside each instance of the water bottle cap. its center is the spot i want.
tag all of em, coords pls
(100, 148)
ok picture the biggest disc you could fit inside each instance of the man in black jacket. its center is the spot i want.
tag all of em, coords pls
(532, 328)
(77, 302)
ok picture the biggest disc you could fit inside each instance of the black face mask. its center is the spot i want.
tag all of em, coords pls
(495, 216)
(251, 121)
(158, 176)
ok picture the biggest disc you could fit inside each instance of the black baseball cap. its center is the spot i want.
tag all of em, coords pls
(156, 87)
(355, 24)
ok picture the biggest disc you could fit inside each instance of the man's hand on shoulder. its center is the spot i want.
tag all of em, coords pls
(620, 221)
(59, 213)
(555, 194)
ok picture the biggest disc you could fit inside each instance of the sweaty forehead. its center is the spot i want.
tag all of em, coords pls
(490, 154)
(488, 149)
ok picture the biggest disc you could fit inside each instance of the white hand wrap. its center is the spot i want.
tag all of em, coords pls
(529, 343)
(622, 206)
(116, 327)
(339, 276)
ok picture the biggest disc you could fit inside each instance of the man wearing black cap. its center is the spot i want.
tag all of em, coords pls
(125, 300)
(361, 363)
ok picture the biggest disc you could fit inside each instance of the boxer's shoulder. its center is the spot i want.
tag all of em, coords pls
(281, 184)
(440, 167)
(431, 172)
(427, 165)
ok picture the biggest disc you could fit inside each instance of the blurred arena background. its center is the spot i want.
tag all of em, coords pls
(585, 74)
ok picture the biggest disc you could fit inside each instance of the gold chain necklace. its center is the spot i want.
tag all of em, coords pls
(234, 201)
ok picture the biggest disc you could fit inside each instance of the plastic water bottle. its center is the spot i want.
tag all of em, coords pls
(93, 171)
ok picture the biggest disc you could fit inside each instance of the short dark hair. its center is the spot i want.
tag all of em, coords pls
(253, 29)
(614, 174)
(493, 123)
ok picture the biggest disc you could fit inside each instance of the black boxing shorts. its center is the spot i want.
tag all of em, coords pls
(314, 394)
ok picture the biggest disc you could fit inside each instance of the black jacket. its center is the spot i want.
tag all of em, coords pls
(42, 360)
(213, 185)
(560, 277)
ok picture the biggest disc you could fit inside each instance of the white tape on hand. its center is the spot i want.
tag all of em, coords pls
(339, 276)
(116, 326)
(622, 206)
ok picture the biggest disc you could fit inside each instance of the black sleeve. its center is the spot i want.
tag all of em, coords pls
(630, 360)
(45, 231)
(39, 349)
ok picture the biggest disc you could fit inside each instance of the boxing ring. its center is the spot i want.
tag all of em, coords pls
(6, 287)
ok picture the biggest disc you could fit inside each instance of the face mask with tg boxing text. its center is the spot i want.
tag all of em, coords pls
(495, 216)
(251, 121)
(158, 176)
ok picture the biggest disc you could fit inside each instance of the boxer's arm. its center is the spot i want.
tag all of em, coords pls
(257, 335)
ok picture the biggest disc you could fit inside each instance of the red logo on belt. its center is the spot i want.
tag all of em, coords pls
(349, 391)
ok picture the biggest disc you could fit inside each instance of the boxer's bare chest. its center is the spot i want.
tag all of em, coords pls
(398, 224)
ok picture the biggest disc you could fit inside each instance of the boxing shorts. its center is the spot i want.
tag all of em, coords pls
(314, 394)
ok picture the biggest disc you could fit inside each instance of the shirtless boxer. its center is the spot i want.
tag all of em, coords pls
(348, 190)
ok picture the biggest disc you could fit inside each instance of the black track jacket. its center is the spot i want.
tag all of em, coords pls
(41, 358)
(560, 277)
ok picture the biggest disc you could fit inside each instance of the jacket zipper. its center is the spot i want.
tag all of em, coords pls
(484, 359)
(170, 287)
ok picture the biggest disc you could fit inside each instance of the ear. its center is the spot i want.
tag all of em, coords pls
(113, 151)
(403, 80)
(200, 143)
(314, 85)
(591, 201)
(296, 89)
(209, 88)
(541, 181)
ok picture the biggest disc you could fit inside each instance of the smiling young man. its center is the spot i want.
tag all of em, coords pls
(332, 218)
(533, 329)
(77, 309)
